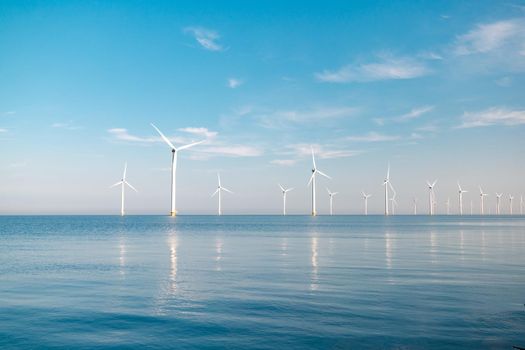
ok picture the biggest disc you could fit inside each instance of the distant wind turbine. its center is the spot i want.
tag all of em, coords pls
(511, 198)
(219, 190)
(315, 171)
(415, 206)
(393, 199)
(284, 192)
(471, 208)
(365, 197)
(482, 196)
(431, 197)
(387, 184)
(123, 184)
(498, 197)
(448, 206)
(331, 195)
(174, 153)
(461, 191)
(521, 205)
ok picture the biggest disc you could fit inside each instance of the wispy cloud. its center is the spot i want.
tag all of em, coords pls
(326, 152)
(414, 113)
(491, 36)
(17, 165)
(232, 150)
(492, 116)
(234, 83)
(373, 137)
(66, 125)
(204, 132)
(205, 37)
(504, 81)
(3, 130)
(8, 113)
(284, 162)
(278, 119)
(386, 69)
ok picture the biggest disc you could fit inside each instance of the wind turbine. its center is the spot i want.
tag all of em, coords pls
(123, 182)
(387, 184)
(174, 153)
(219, 191)
(461, 191)
(482, 196)
(315, 171)
(331, 195)
(431, 197)
(521, 205)
(471, 208)
(511, 198)
(415, 205)
(365, 197)
(448, 206)
(284, 192)
(498, 197)
(393, 199)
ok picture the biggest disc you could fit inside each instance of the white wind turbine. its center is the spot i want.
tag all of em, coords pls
(461, 191)
(482, 196)
(471, 208)
(219, 190)
(431, 197)
(174, 153)
(331, 195)
(415, 205)
(123, 184)
(387, 184)
(315, 171)
(365, 197)
(511, 198)
(393, 199)
(498, 198)
(284, 192)
(448, 206)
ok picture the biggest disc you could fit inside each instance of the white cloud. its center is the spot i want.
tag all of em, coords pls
(373, 137)
(305, 150)
(205, 37)
(9, 113)
(493, 116)
(3, 130)
(66, 125)
(386, 69)
(234, 83)
(492, 36)
(284, 162)
(232, 151)
(17, 165)
(283, 118)
(430, 55)
(414, 113)
(204, 132)
(121, 134)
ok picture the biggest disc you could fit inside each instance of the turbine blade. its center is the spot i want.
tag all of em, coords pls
(428, 183)
(320, 172)
(311, 178)
(125, 170)
(164, 137)
(434, 183)
(227, 190)
(282, 188)
(459, 187)
(219, 179)
(313, 158)
(288, 190)
(214, 193)
(191, 145)
(133, 188)
(327, 190)
(118, 183)
(388, 172)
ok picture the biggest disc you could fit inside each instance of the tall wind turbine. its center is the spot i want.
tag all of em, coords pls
(365, 197)
(219, 190)
(461, 191)
(482, 196)
(284, 192)
(471, 208)
(393, 199)
(415, 205)
(315, 171)
(387, 184)
(498, 197)
(331, 195)
(123, 184)
(511, 198)
(174, 153)
(431, 197)
(448, 206)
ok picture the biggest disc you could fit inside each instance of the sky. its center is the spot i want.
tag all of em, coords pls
(436, 89)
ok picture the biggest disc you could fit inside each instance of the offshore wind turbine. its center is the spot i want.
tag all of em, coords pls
(448, 206)
(498, 198)
(482, 196)
(174, 153)
(521, 205)
(511, 198)
(123, 184)
(219, 190)
(315, 171)
(284, 192)
(331, 195)
(461, 191)
(387, 184)
(393, 199)
(471, 208)
(431, 197)
(415, 205)
(365, 197)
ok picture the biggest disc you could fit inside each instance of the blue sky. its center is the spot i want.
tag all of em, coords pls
(434, 88)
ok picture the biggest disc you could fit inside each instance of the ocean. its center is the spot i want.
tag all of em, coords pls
(262, 282)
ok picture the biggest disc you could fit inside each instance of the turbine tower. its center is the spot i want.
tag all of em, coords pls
(365, 197)
(387, 184)
(482, 196)
(284, 192)
(521, 205)
(448, 206)
(219, 191)
(174, 153)
(415, 205)
(123, 184)
(511, 198)
(315, 171)
(461, 191)
(498, 197)
(331, 195)
(431, 197)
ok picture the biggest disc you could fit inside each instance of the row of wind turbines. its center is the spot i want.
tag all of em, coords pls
(390, 201)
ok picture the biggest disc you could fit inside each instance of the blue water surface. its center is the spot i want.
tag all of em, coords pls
(262, 282)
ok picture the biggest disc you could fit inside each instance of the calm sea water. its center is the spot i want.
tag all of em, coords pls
(262, 282)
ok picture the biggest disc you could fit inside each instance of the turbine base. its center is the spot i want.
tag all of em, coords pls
(173, 213)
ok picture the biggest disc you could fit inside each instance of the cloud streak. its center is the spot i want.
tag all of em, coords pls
(234, 83)
(373, 137)
(414, 113)
(205, 37)
(492, 116)
(490, 37)
(284, 118)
